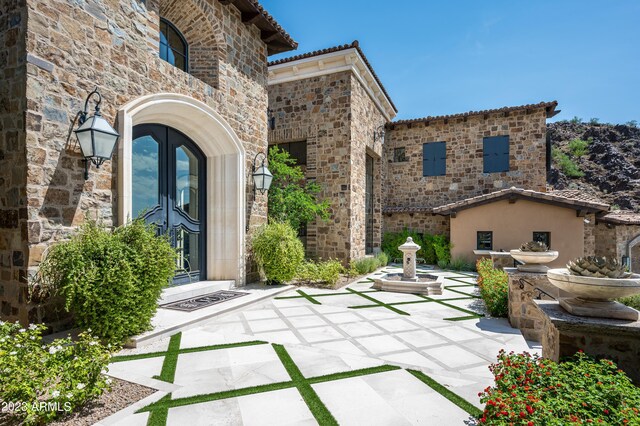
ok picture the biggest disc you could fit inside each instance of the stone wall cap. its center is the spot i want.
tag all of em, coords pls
(563, 320)
(550, 108)
(620, 217)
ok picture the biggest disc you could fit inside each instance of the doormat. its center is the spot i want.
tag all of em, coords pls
(199, 302)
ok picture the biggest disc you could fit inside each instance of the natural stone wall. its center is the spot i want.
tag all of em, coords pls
(589, 234)
(565, 334)
(365, 119)
(612, 240)
(73, 47)
(317, 110)
(523, 313)
(13, 204)
(424, 223)
(405, 186)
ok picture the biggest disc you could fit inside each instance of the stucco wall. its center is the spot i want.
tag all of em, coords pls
(72, 47)
(405, 186)
(513, 224)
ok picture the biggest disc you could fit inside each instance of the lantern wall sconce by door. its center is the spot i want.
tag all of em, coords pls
(95, 135)
(262, 177)
(378, 135)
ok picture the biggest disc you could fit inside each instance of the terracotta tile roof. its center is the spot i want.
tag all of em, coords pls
(514, 193)
(354, 45)
(577, 194)
(621, 217)
(276, 38)
(549, 106)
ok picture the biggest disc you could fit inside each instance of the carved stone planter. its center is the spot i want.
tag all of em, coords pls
(594, 296)
(534, 261)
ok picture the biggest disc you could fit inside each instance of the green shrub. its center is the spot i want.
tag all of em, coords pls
(530, 390)
(111, 281)
(60, 373)
(320, 272)
(392, 240)
(494, 288)
(278, 252)
(461, 264)
(594, 120)
(566, 164)
(579, 147)
(428, 250)
(366, 265)
(576, 120)
(383, 259)
(631, 301)
(442, 247)
(443, 264)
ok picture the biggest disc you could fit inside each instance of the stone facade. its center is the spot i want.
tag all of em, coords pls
(616, 240)
(523, 313)
(464, 162)
(14, 252)
(337, 118)
(73, 47)
(421, 222)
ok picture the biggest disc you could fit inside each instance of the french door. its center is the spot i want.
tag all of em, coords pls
(168, 189)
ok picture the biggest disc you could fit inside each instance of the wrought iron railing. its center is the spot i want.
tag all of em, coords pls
(540, 291)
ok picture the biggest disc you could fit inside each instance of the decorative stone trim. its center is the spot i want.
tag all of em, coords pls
(225, 157)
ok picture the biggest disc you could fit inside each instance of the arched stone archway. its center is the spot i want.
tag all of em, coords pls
(633, 253)
(225, 159)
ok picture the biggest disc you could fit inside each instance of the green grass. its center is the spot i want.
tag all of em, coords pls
(454, 398)
(309, 298)
(123, 358)
(168, 372)
(379, 303)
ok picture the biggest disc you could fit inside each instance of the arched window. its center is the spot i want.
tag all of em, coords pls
(173, 46)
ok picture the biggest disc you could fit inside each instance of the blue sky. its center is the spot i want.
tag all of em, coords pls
(450, 56)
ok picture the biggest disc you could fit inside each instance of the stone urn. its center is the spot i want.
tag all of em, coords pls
(594, 296)
(534, 255)
(534, 261)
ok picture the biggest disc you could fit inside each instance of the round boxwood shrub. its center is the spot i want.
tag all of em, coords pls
(278, 252)
(111, 281)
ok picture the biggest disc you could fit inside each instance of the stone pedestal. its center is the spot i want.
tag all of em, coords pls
(409, 250)
(522, 292)
(564, 334)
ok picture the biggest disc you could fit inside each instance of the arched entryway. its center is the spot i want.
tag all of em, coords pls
(222, 154)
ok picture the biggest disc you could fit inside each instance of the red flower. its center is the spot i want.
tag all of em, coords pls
(606, 411)
(530, 409)
(530, 424)
(523, 414)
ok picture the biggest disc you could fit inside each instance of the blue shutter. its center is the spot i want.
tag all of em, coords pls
(495, 152)
(434, 159)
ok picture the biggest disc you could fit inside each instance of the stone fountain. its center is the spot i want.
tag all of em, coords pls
(409, 281)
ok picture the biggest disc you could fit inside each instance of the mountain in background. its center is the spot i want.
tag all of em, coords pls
(602, 160)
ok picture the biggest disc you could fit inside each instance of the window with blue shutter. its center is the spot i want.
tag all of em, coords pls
(434, 159)
(495, 151)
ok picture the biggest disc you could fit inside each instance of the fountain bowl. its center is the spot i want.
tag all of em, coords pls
(426, 284)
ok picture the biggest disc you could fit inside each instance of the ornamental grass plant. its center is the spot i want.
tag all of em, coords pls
(494, 287)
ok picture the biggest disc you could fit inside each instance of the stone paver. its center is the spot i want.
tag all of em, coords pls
(325, 333)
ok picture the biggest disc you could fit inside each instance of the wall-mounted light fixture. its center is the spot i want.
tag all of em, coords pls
(271, 119)
(96, 136)
(262, 177)
(378, 135)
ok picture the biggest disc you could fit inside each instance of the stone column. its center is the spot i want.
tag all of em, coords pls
(409, 249)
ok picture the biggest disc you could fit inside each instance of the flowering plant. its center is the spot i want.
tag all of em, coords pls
(530, 390)
(40, 381)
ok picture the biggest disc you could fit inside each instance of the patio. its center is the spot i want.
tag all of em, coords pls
(351, 356)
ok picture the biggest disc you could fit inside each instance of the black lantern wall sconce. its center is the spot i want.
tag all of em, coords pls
(378, 135)
(262, 177)
(95, 135)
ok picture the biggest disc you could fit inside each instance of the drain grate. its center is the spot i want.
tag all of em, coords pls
(199, 302)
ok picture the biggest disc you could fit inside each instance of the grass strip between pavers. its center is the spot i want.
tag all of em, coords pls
(473, 296)
(410, 302)
(124, 358)
(320, 411)
(379, 303)
(309, 298)
(159, 417)
(466, 311)
(469, 317)
(322, 295)
(461, 281)
(454, 398)
(168, 372)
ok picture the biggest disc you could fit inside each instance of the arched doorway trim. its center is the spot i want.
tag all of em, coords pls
(225, 158)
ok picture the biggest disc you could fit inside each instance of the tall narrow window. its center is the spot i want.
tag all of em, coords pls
(495, 152)
(434, 159)
(173, 46)
(368, 216)
(296, 150)
(484, 240)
